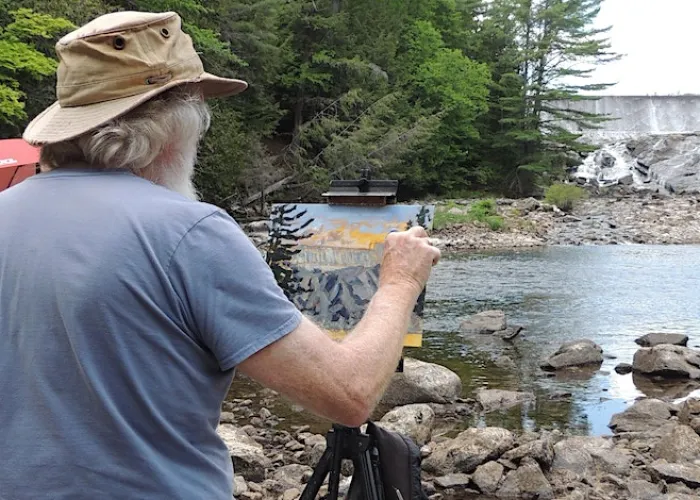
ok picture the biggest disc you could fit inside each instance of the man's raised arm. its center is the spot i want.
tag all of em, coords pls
(343, 381)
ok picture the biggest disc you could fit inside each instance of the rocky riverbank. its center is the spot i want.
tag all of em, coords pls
(636, 218)
(653, 452)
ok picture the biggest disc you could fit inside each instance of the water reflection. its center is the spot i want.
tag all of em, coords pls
(611, 295)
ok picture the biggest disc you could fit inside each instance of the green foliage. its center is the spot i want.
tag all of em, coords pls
(481, 211)
(447, 96)
(21, 64)
(564, 196)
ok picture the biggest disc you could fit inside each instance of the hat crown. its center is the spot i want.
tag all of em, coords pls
(123, 54)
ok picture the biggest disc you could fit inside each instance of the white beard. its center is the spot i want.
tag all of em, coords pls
(176, 172)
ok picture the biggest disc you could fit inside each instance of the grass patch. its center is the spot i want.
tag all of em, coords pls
(564, 196)
(483, 211)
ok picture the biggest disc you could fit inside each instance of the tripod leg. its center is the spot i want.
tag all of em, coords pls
(319, 475)
(370, 487)
(334, 479)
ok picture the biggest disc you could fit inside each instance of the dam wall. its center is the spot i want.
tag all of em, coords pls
(635, 116)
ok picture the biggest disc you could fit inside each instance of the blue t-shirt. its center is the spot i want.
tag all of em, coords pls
(124, 310)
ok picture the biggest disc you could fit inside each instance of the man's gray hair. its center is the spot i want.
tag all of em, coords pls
(159, 135)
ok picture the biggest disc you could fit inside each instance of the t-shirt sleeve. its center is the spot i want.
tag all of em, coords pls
(227, 292)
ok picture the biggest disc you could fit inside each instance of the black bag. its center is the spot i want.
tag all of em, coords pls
(399, 464)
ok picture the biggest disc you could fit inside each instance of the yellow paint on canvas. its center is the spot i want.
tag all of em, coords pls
(351, 235)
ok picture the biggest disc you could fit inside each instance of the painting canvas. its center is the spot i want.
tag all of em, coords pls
(327, 257)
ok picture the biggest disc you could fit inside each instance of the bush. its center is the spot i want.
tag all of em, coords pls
(564, 196)
(495, 222)
(482, 209)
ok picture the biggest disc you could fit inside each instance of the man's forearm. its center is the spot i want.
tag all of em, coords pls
(375, 344)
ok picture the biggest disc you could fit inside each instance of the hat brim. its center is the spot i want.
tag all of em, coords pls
(57, 124)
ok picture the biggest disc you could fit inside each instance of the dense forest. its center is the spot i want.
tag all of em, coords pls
(451, 97)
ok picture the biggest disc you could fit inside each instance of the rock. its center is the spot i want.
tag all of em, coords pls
(623, 368)
(485, 322)
(575, 353)
(291, 494)
(421, 382)
(654, 339)
(497, 399)
(671, 473)
(292, 475)
(511, 332)
(415, 421)
(585, 455)
(682, 445)
(526, 483)
(488, 476)
(468, 450)
(643, 490)
(453, 480)
(541, 450)
(689, 409)
(249, 460)
(505, 362)
(644, 415)
(668, 361)
(227, 418)
(239, 485)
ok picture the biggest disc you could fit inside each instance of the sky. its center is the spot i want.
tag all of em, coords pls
(660, 39)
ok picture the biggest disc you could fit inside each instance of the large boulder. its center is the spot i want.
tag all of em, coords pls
(249, 460)
(584, 455)
(527, 482)
(485, 322)
(421, 382)
(575, 353)
(681, 445)
(673, 473)
(667, 361)
(487, 477)
(690, 411)
(654, 339)
(539, 449)
(643, 416)
(468, 450)
(415, 421)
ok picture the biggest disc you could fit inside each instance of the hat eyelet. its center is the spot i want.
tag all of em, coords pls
(119, 43)
(165, 32)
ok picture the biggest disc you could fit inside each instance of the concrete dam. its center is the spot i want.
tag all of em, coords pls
(650, 142)
(634, 116)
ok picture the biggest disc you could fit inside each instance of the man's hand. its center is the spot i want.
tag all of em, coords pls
(408, 259)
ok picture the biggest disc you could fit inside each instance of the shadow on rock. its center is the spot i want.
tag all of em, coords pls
(663, 388)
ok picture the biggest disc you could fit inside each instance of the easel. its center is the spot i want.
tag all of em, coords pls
(350, 443)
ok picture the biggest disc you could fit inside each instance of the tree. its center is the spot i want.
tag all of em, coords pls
(22, 65)
(546, 51)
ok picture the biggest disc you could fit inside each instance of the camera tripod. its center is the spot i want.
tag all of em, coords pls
(347, 443)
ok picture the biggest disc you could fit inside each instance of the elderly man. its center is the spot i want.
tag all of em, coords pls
(126, 305)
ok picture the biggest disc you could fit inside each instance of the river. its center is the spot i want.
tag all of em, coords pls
(609, 294)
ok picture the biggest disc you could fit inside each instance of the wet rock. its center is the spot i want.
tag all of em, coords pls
(644, 415)
(623, 368)
(511, 332)
(505, 362)
(541, 450)
(468, 450)
(682, 445)
(654, 339)
(249, 460)
(415, 421)
(453, 480)
(497, 399)
(488, 476)
(668, 361)
(421, 382)
(527, 483)
(672, 472)
(485, 322)
(576, 353)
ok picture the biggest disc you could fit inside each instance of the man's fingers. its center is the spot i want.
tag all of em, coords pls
(418, 231)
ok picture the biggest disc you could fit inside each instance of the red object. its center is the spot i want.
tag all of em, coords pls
(18, 160)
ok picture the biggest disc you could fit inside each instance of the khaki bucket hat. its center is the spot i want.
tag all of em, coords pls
(115, 63)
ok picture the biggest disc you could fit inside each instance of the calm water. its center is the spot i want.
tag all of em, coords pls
(611, 295)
